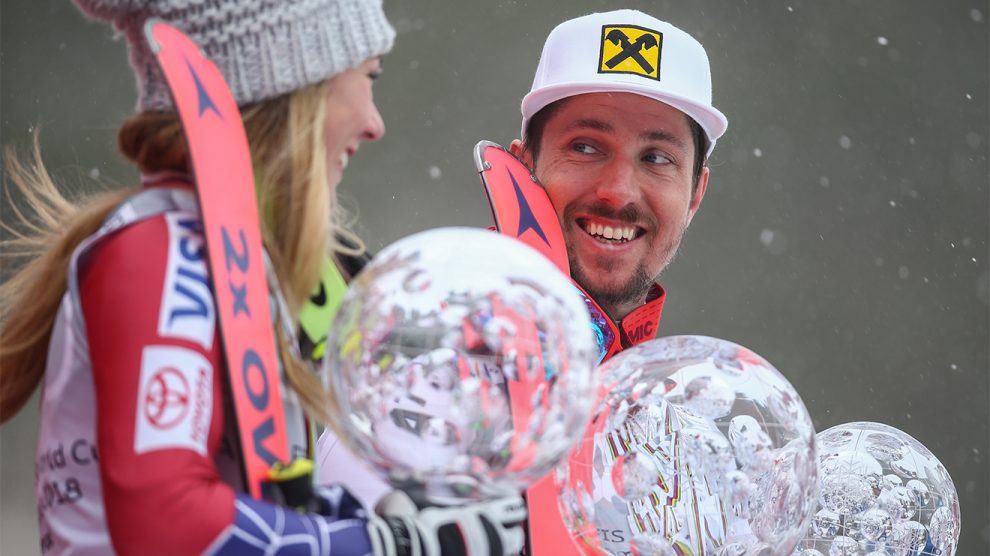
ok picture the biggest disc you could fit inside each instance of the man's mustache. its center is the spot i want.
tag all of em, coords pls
(629, 214)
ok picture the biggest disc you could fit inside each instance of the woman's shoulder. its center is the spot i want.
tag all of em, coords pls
(149, 215)
(155, 266)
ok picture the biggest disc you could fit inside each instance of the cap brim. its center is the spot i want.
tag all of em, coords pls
(711, 120)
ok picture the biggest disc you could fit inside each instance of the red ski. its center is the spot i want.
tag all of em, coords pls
(519, 204)
(221, 165)
(522, 209)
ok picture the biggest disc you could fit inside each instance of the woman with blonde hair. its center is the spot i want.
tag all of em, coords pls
(113, 311)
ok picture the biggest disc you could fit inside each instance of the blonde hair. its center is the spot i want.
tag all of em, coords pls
(299, 213)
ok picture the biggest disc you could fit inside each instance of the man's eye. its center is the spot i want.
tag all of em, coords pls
(375, 73)
(584, 148)
(657, 158)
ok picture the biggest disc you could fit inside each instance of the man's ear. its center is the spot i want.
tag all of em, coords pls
(699, 192)
(516, 148)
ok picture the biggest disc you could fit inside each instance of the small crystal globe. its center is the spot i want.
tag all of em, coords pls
(461, 363)
(882, 493)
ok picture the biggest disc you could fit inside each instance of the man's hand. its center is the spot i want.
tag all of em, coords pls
(492, 528)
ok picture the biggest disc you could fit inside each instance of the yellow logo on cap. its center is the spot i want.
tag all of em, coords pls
(630, 49)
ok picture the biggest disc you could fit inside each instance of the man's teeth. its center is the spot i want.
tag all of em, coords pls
(343, 160)
(608, 232)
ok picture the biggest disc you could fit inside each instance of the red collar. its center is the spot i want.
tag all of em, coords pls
(639, 325)
(643, 322)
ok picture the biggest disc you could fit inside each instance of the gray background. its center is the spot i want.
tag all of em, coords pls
(845, 232)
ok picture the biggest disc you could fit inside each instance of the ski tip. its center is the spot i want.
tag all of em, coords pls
(479, 154)
(153, 29)
(149, 34)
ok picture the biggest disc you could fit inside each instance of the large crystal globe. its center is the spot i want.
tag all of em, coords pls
(696, 446)
(882, 493)
(461, 363)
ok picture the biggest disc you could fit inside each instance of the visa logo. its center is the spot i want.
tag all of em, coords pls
(186, 310)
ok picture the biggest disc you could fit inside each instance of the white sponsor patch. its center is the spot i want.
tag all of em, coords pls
(175, 403)
(186, 310)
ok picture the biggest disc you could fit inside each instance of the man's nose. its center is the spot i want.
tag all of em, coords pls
(617, 185)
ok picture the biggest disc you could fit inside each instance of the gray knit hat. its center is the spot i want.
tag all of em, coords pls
(264, 48)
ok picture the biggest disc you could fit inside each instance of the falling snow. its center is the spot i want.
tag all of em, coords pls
(757, 152)
(845, 142)
(882, 41)
(973, 140)
(435, 172)
(774, 241)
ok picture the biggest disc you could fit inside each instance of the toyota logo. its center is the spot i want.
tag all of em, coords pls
(166, 399)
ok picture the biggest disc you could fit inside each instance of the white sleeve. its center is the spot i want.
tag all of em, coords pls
(336, 464)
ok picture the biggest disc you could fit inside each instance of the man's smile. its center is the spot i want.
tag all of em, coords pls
(607, 232)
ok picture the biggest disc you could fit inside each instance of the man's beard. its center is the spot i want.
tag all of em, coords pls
(631, 292)
(614, 295)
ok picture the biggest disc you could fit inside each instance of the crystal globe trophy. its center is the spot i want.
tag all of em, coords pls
(696, 446)
(461, 361)
(882, 494)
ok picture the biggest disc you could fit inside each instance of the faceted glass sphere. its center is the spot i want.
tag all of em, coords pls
(882, 492)
(696, 445)
(461, 362)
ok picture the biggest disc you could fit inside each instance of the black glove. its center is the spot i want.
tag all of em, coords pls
(492, 528)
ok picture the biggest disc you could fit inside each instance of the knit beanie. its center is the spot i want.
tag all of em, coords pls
(263, 48)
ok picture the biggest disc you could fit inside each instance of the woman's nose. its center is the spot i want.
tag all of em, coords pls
(375, 125)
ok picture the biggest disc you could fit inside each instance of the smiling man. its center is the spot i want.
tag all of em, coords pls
(618, 127)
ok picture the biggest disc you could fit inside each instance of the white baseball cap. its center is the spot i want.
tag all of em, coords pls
(626, 51)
